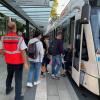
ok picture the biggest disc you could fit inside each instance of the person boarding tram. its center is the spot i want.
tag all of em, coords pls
(56, 50)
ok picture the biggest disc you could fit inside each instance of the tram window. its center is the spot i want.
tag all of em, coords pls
(84, 49)
(71, 30)
(98, 2)
(77, 45)
(95, 24)
(94, 3)
(77, 39)
(65, 36)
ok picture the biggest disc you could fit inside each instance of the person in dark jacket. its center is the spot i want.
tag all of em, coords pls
(57, 55)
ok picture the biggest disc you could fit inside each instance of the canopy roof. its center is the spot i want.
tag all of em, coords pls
(37, 12)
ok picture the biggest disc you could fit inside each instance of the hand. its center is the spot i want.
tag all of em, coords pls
(26, 66)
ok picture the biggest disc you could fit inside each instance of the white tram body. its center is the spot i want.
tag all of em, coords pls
(85, 38)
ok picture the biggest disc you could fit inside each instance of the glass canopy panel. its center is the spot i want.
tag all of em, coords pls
(40, 15)
(32, 2)
(37, 10)
(9, 13)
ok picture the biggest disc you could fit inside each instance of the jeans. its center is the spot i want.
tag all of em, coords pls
(18, 70)
(56, 64)
(35, 69)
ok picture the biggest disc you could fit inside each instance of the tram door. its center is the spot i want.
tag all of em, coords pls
(77, 53)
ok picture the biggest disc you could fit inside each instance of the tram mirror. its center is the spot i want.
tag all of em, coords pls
(85, 16)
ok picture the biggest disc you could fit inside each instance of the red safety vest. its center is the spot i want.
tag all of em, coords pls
(11, 45)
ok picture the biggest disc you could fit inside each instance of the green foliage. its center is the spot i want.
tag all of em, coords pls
(20, 26)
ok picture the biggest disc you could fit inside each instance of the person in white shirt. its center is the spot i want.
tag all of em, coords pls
(35, 64)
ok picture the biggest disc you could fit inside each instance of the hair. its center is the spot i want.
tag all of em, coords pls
(12, 26)
(46, 36)
(37, 34)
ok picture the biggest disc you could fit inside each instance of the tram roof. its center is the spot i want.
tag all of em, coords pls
(37, 12)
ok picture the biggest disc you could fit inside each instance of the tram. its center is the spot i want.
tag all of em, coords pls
(81, 28)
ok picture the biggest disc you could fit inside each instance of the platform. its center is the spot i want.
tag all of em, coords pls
(49, 89)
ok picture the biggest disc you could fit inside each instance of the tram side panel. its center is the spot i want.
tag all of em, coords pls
(85, 71)
(89, 67)
(89, 77)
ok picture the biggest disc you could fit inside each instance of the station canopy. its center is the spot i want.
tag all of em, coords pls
(7, 12)
(37, 12)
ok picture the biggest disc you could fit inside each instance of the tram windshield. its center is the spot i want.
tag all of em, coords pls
(95, 23)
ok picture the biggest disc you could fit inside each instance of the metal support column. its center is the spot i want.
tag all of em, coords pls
(27, 29)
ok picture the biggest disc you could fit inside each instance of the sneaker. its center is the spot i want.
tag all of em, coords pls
(29, 84)
(55, 77)
(52, 75)
(47, 71)
(63, 75)
(8, 91)
(36, 83)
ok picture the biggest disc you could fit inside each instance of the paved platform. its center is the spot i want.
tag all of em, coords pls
(60, 89)
(49, 89)
(36, 93)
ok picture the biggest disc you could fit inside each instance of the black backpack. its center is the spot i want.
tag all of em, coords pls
(32, 50)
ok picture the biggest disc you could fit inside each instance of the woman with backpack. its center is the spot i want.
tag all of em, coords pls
(35, 55)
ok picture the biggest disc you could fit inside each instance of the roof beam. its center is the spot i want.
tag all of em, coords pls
(38, 14)
(39, 17)
(37, 11)
(35, 7)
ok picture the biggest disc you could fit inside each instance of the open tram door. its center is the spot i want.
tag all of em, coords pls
(77, 48)
(77, 43)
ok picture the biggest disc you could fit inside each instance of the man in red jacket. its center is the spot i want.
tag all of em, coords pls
(13, 47)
